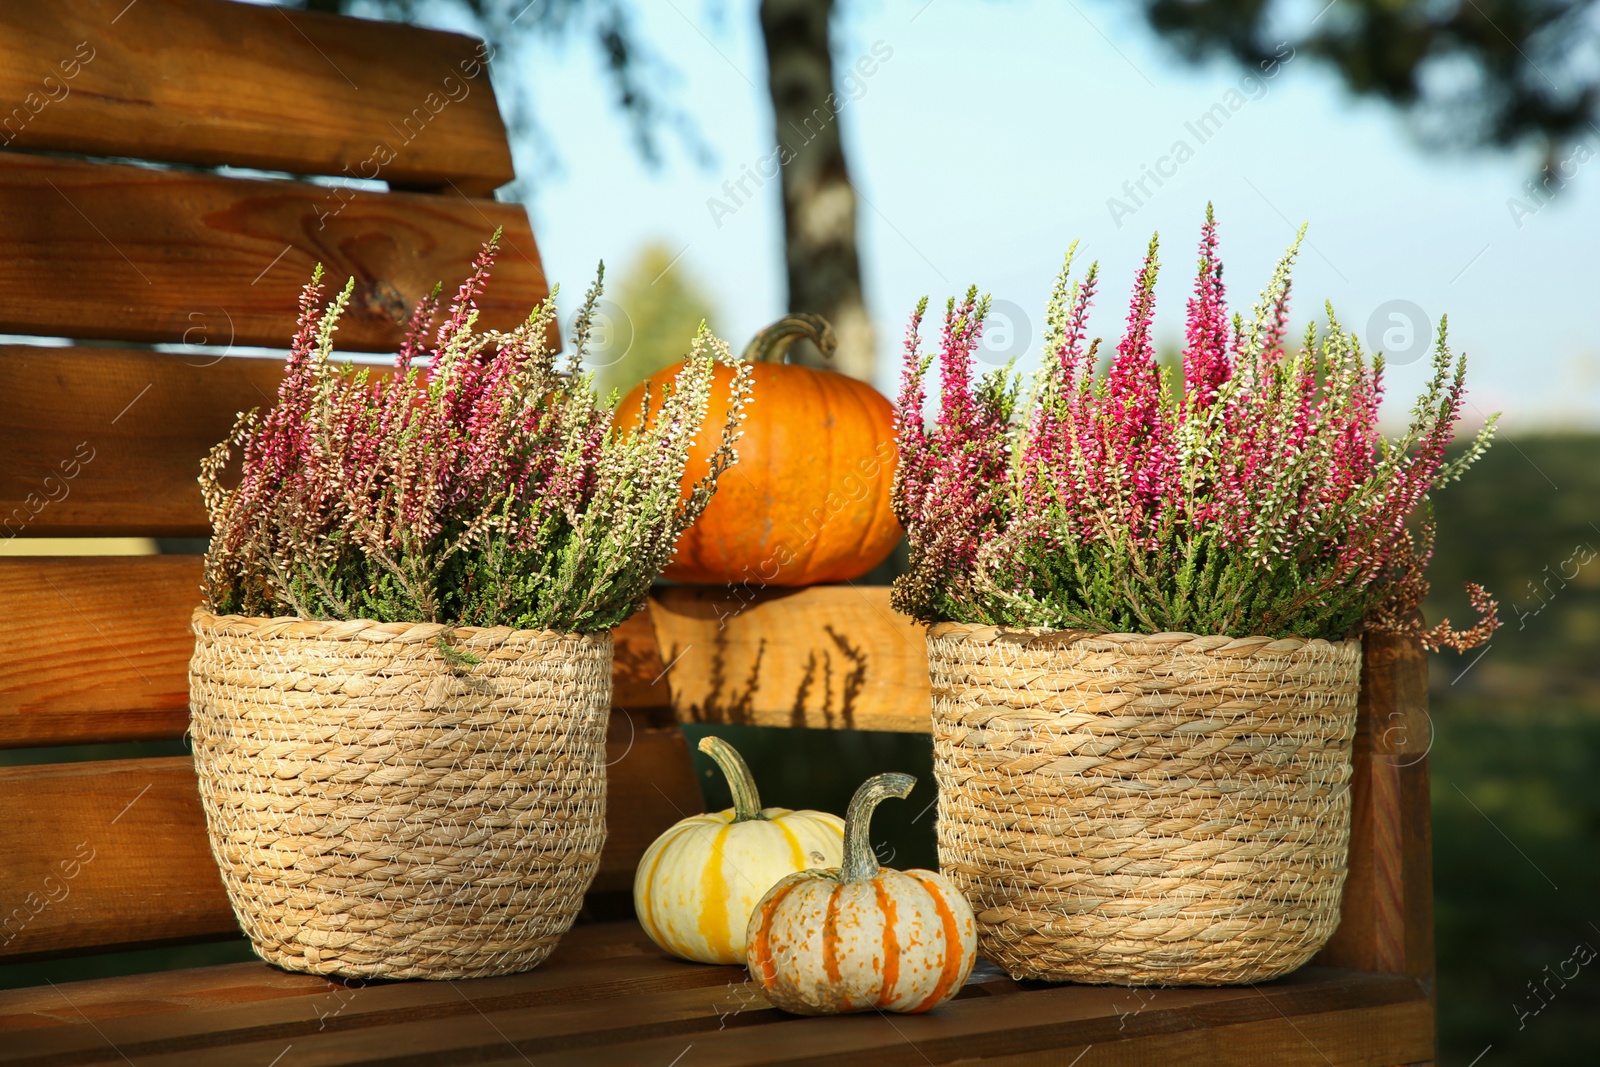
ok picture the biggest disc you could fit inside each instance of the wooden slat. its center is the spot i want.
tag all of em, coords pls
(569, 1011)
(1342, 1019)
(196, 997)
(1387, 910)
(597, 1033)
(239, 1002)
(639, 675)
(129, 428)
(100, 651)
(829, 656)
(209, 82)
(105, 854)
(114, 854)
(138, 254)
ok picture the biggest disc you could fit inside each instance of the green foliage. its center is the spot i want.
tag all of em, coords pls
(1188, 582)
(660, 304)
(1496, 72)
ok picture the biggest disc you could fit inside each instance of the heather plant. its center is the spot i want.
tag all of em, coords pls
(1253, 494)
(479, 484)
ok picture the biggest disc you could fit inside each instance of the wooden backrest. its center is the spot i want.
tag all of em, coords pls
(101, 440)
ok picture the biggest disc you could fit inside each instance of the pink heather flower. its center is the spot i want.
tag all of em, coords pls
(477, 484)
(1264, 500)
(955, 471)
(1137, 436)
(1207, 361)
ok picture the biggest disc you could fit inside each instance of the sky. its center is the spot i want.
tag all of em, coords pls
(989, 134)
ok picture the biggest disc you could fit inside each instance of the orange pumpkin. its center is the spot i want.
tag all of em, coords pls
(860, 937)
(808, 501)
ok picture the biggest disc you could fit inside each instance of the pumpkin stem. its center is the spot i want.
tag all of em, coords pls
(860, 862)
(770, 344)
(746, 801)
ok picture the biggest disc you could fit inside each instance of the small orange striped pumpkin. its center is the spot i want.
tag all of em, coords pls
(861, 937)
(697, 884)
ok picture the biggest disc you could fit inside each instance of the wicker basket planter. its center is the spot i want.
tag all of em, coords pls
(1144, 809)
(379, 812)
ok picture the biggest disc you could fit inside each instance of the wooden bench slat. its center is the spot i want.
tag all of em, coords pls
(108, 854)
(1311, 1020)
(209, 82)
(1362, 1037)
(105, 442)
(207, 993)
(100, 651)
(138, 254)
(333, 1027)
(832, 656)
(570, 1011)
(150, 1014)
(114, 854)
(128, 620)
(58, 1023)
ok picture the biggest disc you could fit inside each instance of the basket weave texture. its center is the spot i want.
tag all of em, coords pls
(1130, 809)
(378, 811)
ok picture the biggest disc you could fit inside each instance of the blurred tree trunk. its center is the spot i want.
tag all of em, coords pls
(819, 203)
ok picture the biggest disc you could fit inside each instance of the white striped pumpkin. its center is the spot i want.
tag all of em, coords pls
(859, 938)
(697, 884)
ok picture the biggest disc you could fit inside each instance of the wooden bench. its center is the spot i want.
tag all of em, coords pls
(99, 441)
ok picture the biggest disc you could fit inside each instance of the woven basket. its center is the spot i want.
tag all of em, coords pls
(1132, 809)
(379, 813)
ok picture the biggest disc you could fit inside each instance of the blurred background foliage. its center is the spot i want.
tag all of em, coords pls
(655, 306)
(1516, 796)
